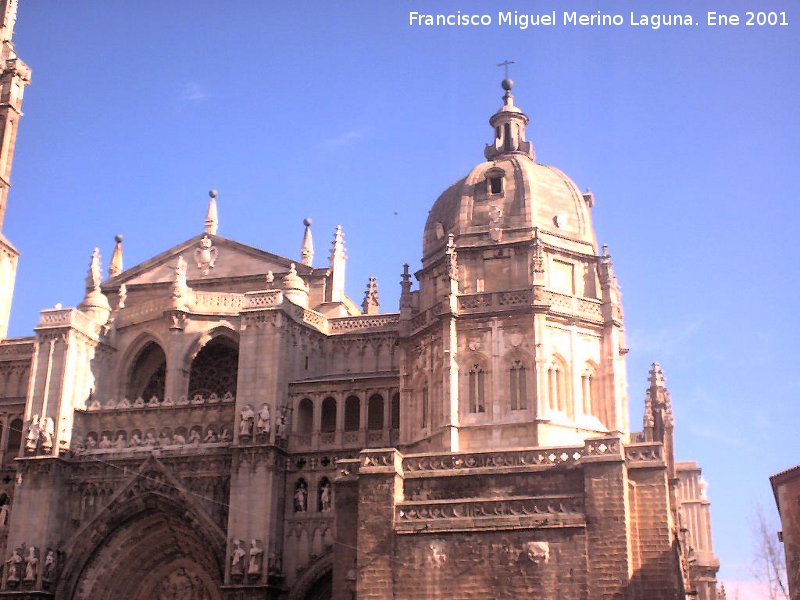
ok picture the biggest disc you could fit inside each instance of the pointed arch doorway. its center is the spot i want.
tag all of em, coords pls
(151, 543)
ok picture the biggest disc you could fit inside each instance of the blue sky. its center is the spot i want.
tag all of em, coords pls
(689, 138)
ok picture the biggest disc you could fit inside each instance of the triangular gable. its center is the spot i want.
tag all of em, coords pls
(233, 259)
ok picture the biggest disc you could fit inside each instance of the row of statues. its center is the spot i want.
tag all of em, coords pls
(246, 561)
(150, 440)
(23, 565)
(324, 496)
(260, 423)
(39, 435)
(155, 402)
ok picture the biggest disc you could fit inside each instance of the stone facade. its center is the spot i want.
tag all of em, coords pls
(786, 487)
(222, 422)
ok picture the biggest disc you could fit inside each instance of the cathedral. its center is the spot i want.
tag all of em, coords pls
(221, 422)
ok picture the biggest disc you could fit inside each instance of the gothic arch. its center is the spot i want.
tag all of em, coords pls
(225, 330)
(475, 387)
(212, 363)
(559, 386)
(519, 376)
(126, 378)
(312, 584)
(150, 535)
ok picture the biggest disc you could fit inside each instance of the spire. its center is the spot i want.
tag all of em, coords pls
(537, 259)
(371, 301)
(509, 128)
(405, 288)
(14, 76)
(8, 18)
(307, 249)
(212, 222)
(338, 264)
(95, 304)
(115, 266)
(658, 416)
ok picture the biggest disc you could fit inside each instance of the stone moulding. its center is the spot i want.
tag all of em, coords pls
(381, 322)
(472, 514)
(649, 454)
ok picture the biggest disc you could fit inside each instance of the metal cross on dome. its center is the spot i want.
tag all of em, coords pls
(505, 64)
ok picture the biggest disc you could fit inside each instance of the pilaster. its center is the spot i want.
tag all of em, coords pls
(380, 487)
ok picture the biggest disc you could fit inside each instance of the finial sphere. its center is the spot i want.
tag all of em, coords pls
(118, 238)
(212, 193)
(307, 221)
(507, 84)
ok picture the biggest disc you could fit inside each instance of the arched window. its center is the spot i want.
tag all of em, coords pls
(518, 386)
(557, 384)
(328, 415)
(14, 439)
(375, 412)
(305, 416)
(589, 393)
(214, 369)
(148, 373)
(352, 413)
(425, 405)
(396, 411)
(477, 389)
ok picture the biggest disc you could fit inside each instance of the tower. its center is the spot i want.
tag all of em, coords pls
(515, 336)
(15, 76)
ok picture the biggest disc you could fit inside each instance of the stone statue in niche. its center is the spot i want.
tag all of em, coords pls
(5, 511)
(281, 426)
(254, 558)
(91, 442)
(246, 419)
(237, 558)
(179, 439)
(150, 439)
(194, 436)
(31, 563)
(49, 567)
(15, 565)
(119, 443)
(211, 437)
(301, 496)
(263, 423)
(225, 436)
(325, 496)
(136, 441)
(105, 443)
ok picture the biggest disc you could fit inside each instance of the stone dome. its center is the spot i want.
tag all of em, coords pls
(506, 197)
